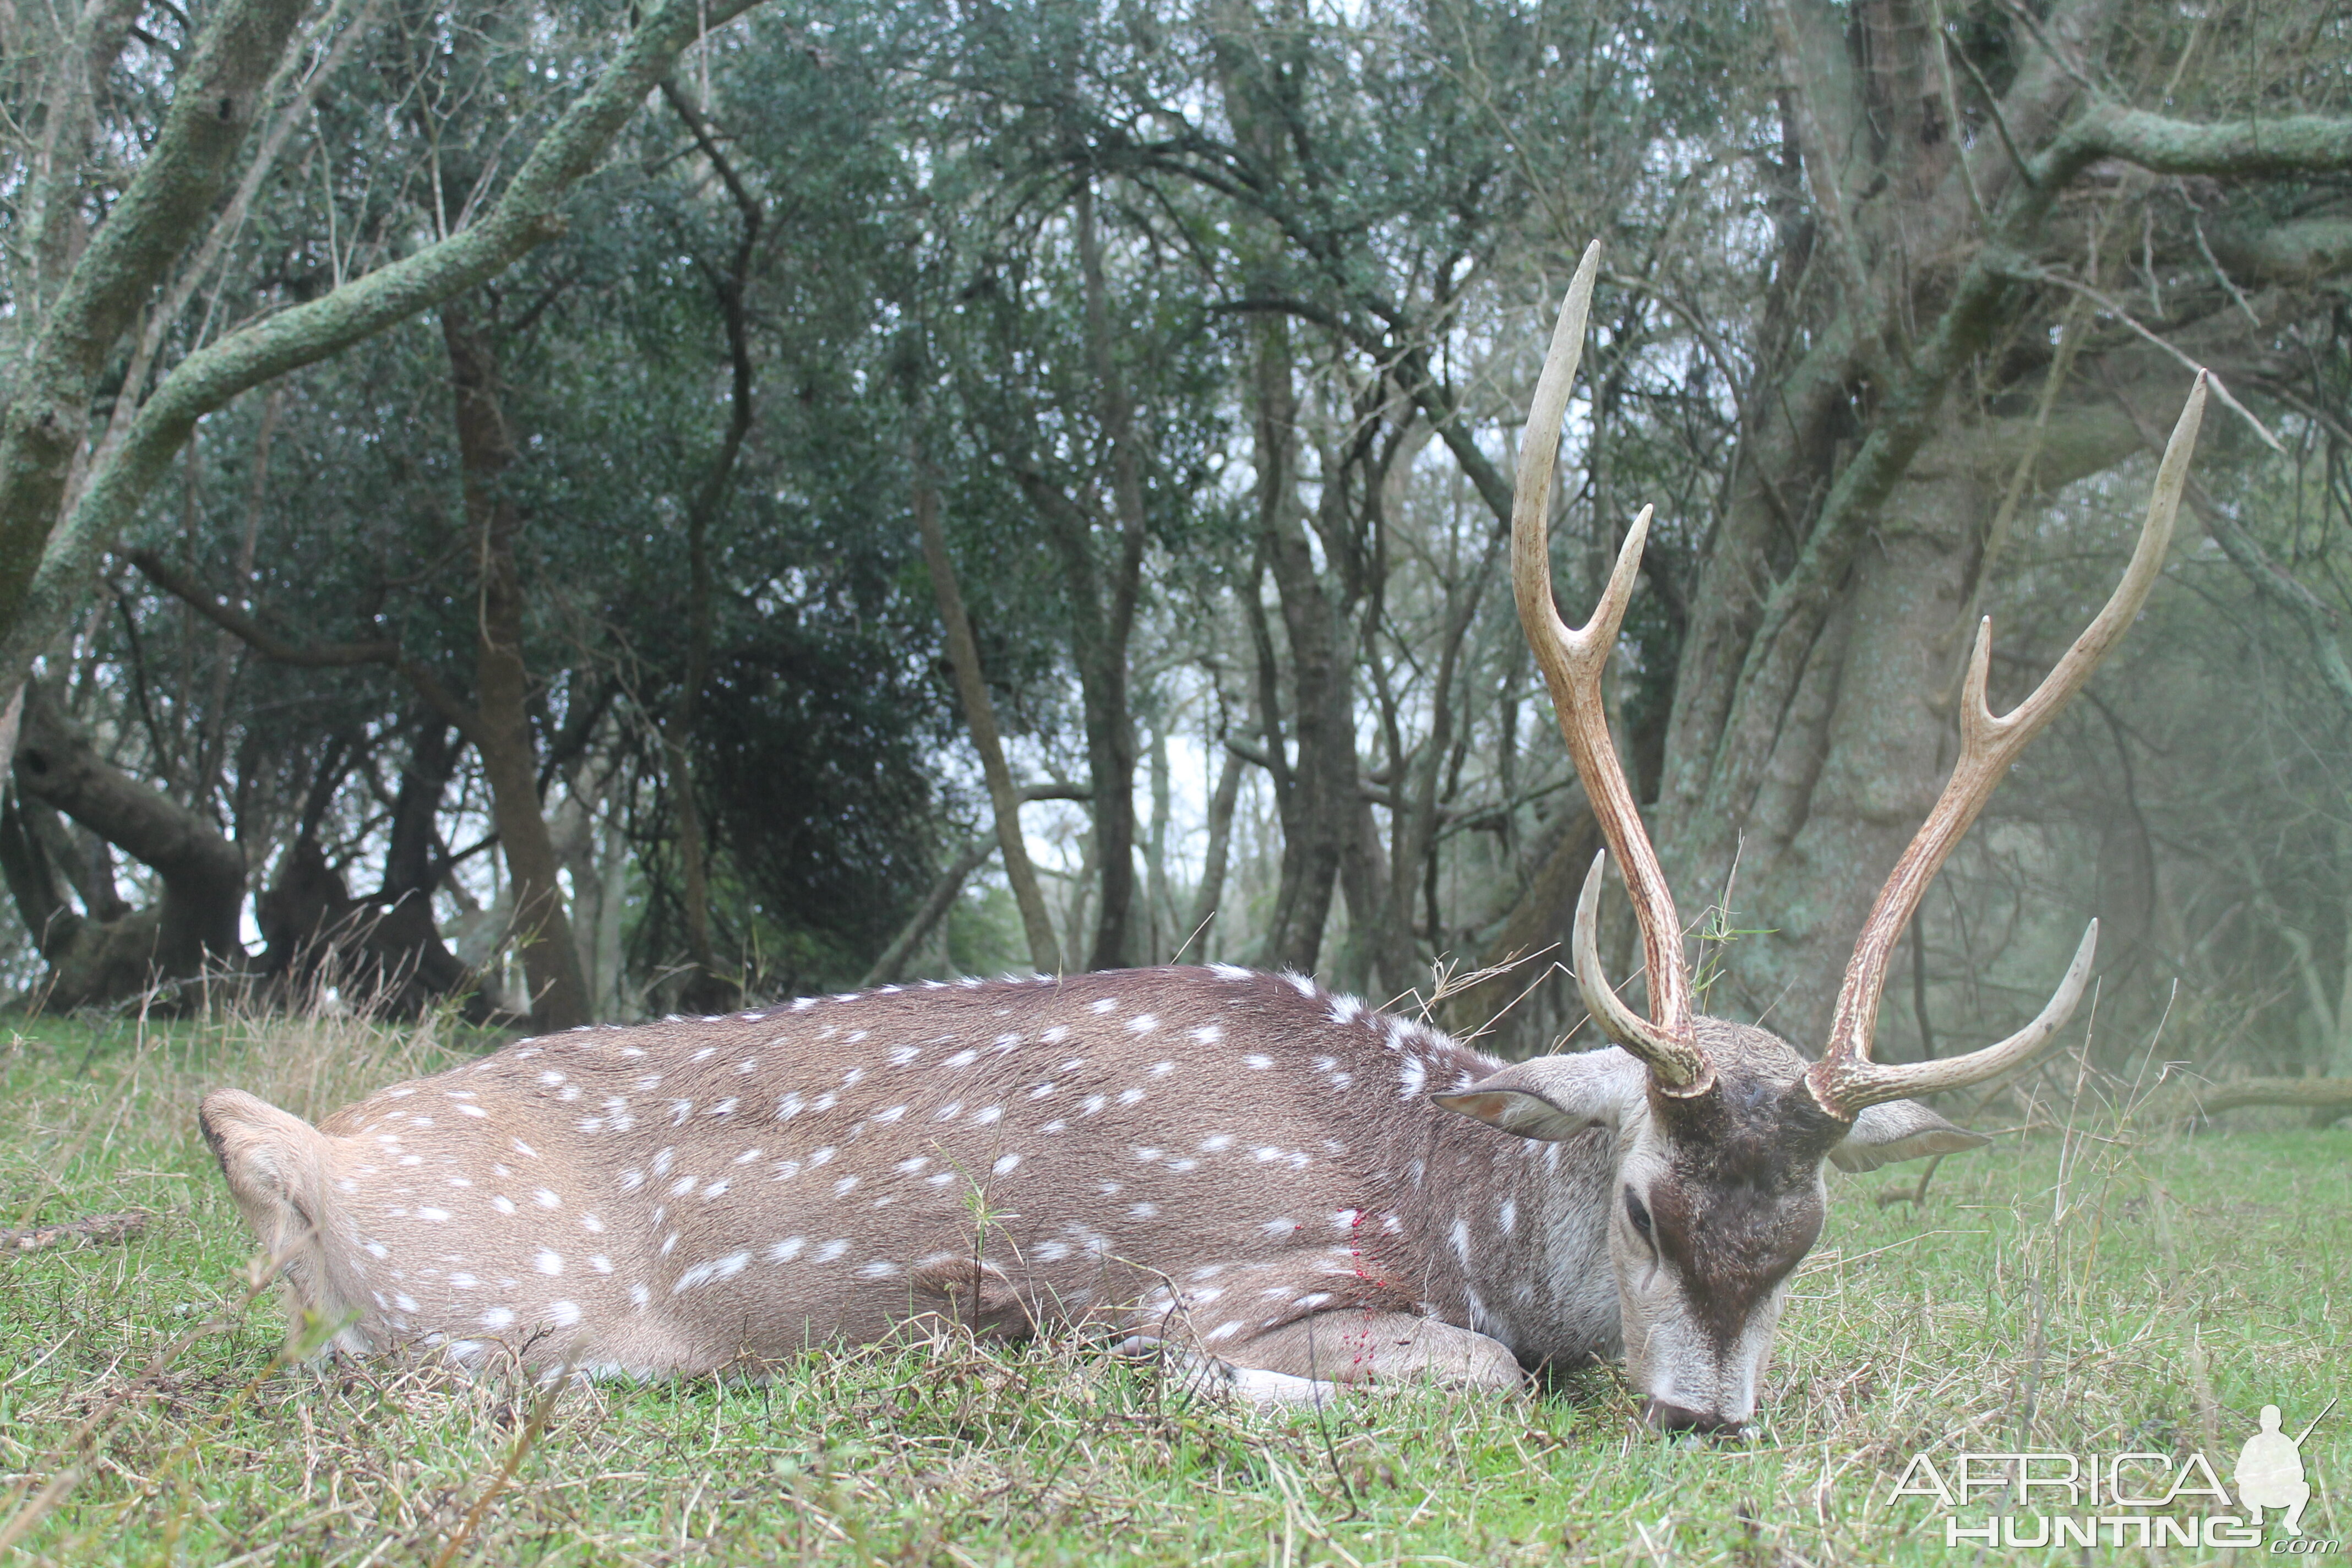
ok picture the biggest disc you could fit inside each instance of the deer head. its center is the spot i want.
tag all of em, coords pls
(1721, 1126)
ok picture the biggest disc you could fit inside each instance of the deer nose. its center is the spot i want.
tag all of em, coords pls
(1665, 1417)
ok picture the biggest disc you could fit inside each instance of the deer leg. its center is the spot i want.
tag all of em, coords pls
(1315, 1357)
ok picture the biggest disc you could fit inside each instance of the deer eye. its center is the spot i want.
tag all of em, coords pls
(1638, 1214)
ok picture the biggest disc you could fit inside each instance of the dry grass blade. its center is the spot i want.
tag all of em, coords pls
(94, 1230)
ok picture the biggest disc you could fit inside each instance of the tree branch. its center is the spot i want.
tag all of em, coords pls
(236, 622)
(2292, 144)
(318, 656)
(526, 215)
(215, 101)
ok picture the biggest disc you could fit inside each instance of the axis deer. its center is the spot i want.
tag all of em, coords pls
(1290, 1188)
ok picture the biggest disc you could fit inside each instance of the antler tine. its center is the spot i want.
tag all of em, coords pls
(1869, 1083)
(1572, 663)
(1987, 746)
(1678, 1062)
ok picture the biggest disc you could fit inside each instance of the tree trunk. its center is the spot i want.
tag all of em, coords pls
(980, 714)
(487, 452)
(32, 875)
(1158, 903)
(1318, 805)
(413, 864)
(709, 990)
(202, 872)
(1532, 940)
(928, 914)
(1200, 929)
(1105, 622)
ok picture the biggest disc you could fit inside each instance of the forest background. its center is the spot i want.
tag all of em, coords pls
(582, 512)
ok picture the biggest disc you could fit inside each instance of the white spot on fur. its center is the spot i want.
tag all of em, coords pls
(1005, 1164)
(704, 1273)
(503, 1203)
(548, 1261)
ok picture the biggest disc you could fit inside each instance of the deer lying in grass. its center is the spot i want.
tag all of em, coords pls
(1289, 1187)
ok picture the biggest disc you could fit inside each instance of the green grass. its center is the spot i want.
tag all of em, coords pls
(2131, 1290)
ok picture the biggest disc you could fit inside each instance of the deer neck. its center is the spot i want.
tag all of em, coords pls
(1513, 1235)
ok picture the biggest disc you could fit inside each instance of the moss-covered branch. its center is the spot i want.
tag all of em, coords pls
(215, 101)
(526, 215)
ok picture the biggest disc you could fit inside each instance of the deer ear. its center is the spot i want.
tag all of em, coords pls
(1552, 1098)
(1900, 1129)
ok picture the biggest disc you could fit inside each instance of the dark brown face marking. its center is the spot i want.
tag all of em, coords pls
(1738, 1204)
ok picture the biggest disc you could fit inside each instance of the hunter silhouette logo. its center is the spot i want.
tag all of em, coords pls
(2270, 1472)
(2144, 1499)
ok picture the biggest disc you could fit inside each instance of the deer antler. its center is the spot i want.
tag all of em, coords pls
(1572, 662)
(1845, 1080)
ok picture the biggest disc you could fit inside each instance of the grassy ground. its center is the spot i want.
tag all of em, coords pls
(2127, 1290)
